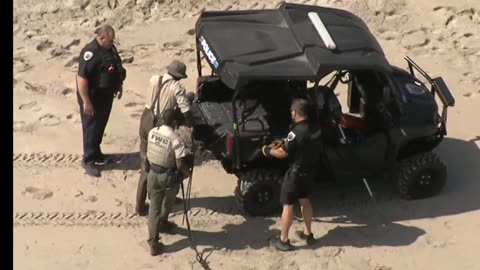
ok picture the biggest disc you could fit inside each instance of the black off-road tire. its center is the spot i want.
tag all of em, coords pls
(421, 176)
(258, 192)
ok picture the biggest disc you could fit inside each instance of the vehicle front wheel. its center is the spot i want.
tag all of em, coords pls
(258, 192)
(421, 176)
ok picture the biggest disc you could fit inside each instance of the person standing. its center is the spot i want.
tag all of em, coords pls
(299, 176)
(166, 167)
(164, 92)
(99, 79)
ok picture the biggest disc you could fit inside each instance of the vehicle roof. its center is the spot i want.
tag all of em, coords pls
(283, 43)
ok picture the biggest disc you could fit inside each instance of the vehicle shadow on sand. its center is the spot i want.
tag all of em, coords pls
(460, 195)
(359, 219)
(121, 161)
(362, 218)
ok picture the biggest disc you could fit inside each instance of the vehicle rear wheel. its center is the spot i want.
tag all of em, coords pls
(258, 192)
(201, 153)
(421, 176)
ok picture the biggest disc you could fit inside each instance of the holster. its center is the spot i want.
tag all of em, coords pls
(145, 165)
(189, 160)
(174, 177)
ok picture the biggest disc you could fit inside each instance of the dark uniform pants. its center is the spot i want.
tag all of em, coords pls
(296, 185)
(93, 127)
(161, 203)
(146, 124)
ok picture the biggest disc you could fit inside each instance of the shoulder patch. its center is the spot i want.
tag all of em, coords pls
(87, 55)
(290, 136)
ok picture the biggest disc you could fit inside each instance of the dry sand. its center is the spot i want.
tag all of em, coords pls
(64, 219)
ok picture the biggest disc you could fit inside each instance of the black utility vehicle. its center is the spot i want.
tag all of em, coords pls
(261, 59)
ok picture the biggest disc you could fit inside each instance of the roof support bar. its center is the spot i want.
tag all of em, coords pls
(322, 30)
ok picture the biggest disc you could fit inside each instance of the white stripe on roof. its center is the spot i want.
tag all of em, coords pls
(322, 30)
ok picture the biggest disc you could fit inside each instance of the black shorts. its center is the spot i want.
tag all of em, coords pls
(295, 186)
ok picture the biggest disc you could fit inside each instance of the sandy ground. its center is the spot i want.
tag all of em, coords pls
(64, 219)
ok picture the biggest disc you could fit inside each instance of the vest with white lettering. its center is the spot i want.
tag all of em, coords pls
(160, 150)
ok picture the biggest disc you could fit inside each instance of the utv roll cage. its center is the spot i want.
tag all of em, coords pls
(437, 86)
(288, 51)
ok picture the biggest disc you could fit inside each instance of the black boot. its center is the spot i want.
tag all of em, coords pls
(156, 249)
(90, 169)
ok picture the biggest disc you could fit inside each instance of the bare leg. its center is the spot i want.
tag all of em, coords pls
(287, 220)
(307, 213)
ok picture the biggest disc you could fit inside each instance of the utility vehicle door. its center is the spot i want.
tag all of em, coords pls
(363, 142)
(364, 158)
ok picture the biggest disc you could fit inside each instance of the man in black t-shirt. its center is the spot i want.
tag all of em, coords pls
(301, 148)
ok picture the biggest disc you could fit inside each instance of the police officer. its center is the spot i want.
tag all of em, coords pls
(100, 78)
(166, 167)
(164, 92)
(299, 148)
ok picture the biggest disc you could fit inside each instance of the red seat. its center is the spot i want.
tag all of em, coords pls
(353, 122)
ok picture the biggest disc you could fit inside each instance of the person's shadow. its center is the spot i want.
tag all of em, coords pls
(253, 233)
(121, 161)
(361, 221)
(131, 161)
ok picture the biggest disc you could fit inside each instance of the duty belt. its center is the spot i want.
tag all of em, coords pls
(298, 170)
(160, 169)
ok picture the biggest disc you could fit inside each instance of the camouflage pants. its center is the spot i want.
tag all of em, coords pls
(161, 203)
